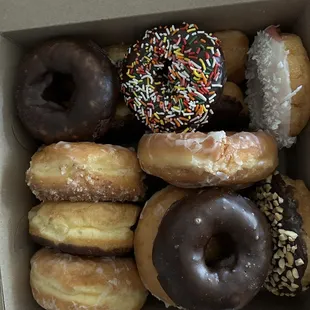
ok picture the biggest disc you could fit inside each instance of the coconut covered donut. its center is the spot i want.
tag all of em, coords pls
(278, 74)
(199, 159)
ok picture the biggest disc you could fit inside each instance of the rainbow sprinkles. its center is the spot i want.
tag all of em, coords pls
(173, 77)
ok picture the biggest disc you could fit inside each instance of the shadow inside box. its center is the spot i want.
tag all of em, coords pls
(16, 198)
(154, 304)
(258, 303)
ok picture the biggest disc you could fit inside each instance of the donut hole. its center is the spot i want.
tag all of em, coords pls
(220, 252)
(60, 90)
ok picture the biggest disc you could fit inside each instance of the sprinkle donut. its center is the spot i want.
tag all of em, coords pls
(173, 77)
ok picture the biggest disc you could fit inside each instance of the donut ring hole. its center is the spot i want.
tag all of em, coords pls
(220, 252)
(60, 90)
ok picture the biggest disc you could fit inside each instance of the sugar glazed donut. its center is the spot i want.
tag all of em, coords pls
(217, 158)
(63, 281)
(181, 240)
(146, 232)
(173, 76)
(83, 228)
(285, 203)
(278, 74)
(85, 171)
(235, 46)
(67, 90)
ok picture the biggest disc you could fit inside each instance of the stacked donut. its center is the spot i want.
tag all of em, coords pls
(87, 211)
(224, 225)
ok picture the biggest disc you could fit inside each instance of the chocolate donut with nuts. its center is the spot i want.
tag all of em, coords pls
(183, 230)
(286, 205)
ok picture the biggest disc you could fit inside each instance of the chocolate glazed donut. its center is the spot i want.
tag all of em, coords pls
(66, 90)
(180, 247)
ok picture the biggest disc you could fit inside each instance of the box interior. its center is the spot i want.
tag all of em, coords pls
(17, 147)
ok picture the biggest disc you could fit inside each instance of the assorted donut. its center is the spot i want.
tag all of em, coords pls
(278, 85)
(173, 77)
(66, 90)
(157, 169)
(286, 205)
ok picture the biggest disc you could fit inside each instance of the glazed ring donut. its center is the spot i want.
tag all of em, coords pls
(63, 281)
(85, 171)
(278, 74)
(67, 90)
(173, 77)
(116, 54)
(82, 228)
(285, 203)
(180, 236)
(235, 46)
(145, 234)
(211, 159)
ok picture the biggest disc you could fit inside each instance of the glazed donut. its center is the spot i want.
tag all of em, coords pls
(180, 234)
(230, 113)
(235, 46)
(62, 281)
(213, 159)
(145, 234)
(278, 72)
(286, 205)
(96, 229)
(173, 77)
(85, 171)
(116, 54)
(66, 90)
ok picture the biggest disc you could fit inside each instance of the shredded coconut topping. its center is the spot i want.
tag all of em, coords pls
(269, 91)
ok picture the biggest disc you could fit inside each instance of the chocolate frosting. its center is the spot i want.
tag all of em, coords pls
(227, 116)
(169, 72)
(179, 251)
(66, 90)
(277, 201)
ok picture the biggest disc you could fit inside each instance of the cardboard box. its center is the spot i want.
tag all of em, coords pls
(23, 23)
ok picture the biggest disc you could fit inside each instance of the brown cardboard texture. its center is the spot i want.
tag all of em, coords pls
(24, 23)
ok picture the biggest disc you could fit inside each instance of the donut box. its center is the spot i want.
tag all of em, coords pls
(24, 24)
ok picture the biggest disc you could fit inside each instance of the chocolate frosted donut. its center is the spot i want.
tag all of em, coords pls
(179, 251)
(66, 91)
(230, 113)
(173, 77)
(286, 205)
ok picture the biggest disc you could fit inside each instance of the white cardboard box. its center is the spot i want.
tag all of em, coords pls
(25, 22)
